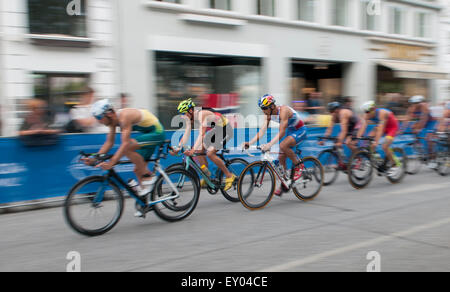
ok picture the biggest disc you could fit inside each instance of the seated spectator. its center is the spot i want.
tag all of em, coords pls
(314, 103)
(36, 129)
(300, 106)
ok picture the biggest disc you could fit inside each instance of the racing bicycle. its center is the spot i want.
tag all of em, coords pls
(95, 204)
(256, 185)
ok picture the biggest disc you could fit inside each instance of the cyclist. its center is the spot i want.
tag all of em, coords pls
(291, 134)
(350, 124)
(386, 125)
(215, 132)
(444, 123)
(424, 124)
(137, 150)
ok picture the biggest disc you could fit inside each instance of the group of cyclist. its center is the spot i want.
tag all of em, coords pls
(215, 131)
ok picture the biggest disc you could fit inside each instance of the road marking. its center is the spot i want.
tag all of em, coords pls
(315, 258)
(420, 188)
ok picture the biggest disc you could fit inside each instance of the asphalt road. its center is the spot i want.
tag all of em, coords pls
(407, 225)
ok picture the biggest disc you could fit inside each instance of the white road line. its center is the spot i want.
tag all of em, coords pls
(419, 188)
(315, 258)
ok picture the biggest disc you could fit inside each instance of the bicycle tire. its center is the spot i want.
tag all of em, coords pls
(321, 184)
(186, 210)
(356, 182)
(415, 160)
(244, 198)
(335, 172)
(182, 165)
(220, 176)
(404, 166)
(72, 222)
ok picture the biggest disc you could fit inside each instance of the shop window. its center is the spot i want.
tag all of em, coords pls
(227, 84)
(51, 17)
(60, 91)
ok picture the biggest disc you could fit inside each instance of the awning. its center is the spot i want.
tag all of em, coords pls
(415, 70)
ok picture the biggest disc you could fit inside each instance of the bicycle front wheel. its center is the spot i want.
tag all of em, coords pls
(236, 166)
(402, 161)
(256, 193)
(180, 207)
(415, 158)
(360, 170)
(330, 162)
(93, 206)
(309, 185)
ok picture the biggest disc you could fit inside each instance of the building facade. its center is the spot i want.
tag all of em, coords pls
(53, 50)
(234, 51)
(444, 50)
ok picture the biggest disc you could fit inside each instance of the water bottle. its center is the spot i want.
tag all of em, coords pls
(206, 170)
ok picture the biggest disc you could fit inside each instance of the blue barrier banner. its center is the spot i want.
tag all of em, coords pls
(32, 173)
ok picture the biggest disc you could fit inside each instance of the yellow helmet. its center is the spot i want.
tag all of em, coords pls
(185, 105)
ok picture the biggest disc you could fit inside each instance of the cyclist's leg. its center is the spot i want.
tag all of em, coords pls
(143, 150)
(293, 139)
(215, 140)
(140, 166)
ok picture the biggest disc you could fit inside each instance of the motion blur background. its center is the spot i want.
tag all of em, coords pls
(58, 56)
(223, 53)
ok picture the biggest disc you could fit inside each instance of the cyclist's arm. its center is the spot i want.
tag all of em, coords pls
(261, 132)
(424, 118)
(203, 118)
(344, 126)
(364, 123)
(407, 120)
(330, 128)
(126, 141)
(284, 122)
(111, 138)
(187, 133)
(381, 126)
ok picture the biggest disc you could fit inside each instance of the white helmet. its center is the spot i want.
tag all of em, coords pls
(100, 108)
(417, 99)
(368, 106)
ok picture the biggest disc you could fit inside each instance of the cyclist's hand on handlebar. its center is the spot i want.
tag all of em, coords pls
(265, 148)
(339, 144)
(175, 151)
(105, 165)
(189, 152)
(246, 146)
(89, 161)
(321, 142)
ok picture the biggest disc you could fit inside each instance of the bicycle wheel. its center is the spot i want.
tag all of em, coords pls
(415, 158)
(182, 165)
(443, 161)
(309, 185)
(236, 166)
(360, 169)
(181, 207)
(403, 160)
(330, 163)
(93, 206)
(258, 192)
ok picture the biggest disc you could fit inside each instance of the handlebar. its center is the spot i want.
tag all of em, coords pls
(334, 139)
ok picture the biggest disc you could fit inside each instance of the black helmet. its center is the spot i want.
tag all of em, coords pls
(332, 106)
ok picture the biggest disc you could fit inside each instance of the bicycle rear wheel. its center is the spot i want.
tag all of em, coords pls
(258, 192)
(330, 163)
(360, 170)
(93, 206)
(309, 185)
(181, 207)
(236, 166)
(443, 161)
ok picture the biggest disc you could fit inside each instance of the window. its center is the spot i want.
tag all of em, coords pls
(422, 25)
(306, 10)
(340, 12)
(266, 7)
(51, 17)
(226, 83)
(59, 90)
(396, 20)
(369, 12)
(220, 4)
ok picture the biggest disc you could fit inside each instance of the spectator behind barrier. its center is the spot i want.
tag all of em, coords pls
(36, 129)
